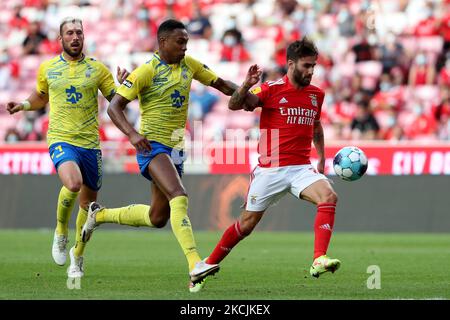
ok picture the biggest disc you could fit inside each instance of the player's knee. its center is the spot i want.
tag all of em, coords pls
(329, 196)
(159, 216)
(176, 192)
(84, 204)
(158, 221)
(74, 185)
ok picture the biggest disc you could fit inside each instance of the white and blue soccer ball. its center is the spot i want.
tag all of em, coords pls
(350, 163)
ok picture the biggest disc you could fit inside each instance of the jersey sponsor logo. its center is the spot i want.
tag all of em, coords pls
(177, 99)
(72, 95)
(160, 80)
(283, 100)
(298, 115)
(127, 83)
(53, 74)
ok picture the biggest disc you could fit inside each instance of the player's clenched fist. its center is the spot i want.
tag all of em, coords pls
(13, 107)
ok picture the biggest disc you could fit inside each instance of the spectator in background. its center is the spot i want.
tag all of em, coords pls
(12, 135)
(346, 22)
(9, 71)
(429, 26)
(17, 21)
(444, 74)
(364, 47)
(199, 26)
(444, 24)
(273, 74)
(233, 49)
(421, 71)
(441, 114)
(145, 39)
(34, 39)
(51, 45)
(390, 53)
(423, 125)
(364, 125)
(201, 101)
(392, 130)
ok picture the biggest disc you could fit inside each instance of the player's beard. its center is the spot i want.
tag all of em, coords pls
(73, 52)
(300, 79)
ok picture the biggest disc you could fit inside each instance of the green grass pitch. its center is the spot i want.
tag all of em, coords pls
(149, 265)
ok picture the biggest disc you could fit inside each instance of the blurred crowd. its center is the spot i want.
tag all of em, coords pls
(385, 65)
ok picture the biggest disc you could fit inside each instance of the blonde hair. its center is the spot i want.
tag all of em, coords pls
(69, 20)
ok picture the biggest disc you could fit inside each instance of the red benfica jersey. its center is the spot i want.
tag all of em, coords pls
(287, 122)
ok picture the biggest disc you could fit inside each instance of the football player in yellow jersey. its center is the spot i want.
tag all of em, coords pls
(70, 82)
(162, 86)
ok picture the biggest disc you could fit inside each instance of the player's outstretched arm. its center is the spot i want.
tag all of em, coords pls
(115, 112)
(225, 86)
(34, 102)
(241, 98)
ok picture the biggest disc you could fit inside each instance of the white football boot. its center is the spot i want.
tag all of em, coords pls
(202, 270)
(59, 249)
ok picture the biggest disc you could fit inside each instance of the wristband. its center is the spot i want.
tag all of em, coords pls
(26, 105)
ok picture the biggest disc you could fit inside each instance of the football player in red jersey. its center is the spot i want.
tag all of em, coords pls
(290, 121)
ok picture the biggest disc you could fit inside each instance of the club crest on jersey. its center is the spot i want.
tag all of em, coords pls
(184, 73)
(88, 73)
(313, 99)
(253, 199)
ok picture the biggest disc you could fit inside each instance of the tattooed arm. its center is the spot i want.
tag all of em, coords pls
(241, 98)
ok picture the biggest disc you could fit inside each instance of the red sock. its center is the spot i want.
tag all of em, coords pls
(229, 239)
(323, 227)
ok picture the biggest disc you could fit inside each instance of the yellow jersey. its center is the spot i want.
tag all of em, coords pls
(72, 87)
(163, 92)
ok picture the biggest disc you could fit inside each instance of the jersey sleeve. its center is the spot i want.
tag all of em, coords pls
(106, 85)
(262, 92)
(319, 105)
(201, 72)
(140, 78)
(41, 83)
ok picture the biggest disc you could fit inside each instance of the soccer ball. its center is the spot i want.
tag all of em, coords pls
(350, 163)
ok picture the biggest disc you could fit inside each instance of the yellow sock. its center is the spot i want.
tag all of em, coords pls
(66, 200)
(181, 227)
(136, 215)
(79, 245)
